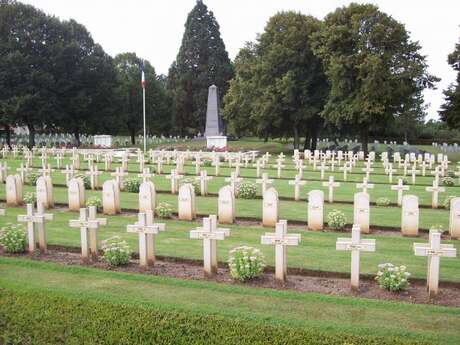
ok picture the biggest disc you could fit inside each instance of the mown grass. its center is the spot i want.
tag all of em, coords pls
(44, 303)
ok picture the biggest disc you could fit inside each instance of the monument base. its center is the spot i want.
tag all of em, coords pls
(104, 141)
(216, 141)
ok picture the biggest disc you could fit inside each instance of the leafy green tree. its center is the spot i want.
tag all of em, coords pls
(86, 83)
(280, 87)
(373, 67)
(201, 62)
(450, 110)
(28, 41)
(157, 103)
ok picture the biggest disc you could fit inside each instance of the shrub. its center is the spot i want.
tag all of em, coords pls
(392, 278)
(438, 228)
(86, 180)
(245, 263)
(404, 181)
(207, 163)
(447, 181)
(193, 182)
(164, 210)
(94, 201)
(116, 251)
(246, 190)
(132, 185)
(13, 238)
(336, 219)
(382, 201)
(446, 202)
(30, 197)
(32, 178)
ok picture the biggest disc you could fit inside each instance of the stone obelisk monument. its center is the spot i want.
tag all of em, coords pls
(213, 132)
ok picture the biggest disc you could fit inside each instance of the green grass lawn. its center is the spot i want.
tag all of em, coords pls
(84, 295)
(316, 251)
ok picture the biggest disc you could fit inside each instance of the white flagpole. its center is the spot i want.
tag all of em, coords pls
(143, 101)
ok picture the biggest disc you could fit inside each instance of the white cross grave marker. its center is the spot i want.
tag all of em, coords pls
(281, 239)
(209, 233)
(355, 244)
(434, 250)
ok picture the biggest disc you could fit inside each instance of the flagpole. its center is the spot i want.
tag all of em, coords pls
(143, 102)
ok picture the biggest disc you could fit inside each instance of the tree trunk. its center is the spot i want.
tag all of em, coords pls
(31, 136)
(365, 138)
(76, 134)
(314, 139)
(132, 134)
(266, 136)
(296, 138)
(8, 135)
(306, 144)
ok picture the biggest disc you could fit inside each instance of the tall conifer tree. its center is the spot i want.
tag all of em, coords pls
(202, 61)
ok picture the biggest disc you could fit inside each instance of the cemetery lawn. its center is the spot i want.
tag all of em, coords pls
(42, 303)
(315, 252)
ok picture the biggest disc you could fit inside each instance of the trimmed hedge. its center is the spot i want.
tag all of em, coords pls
(29, 317)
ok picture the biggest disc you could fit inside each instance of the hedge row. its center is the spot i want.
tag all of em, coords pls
(37, 318)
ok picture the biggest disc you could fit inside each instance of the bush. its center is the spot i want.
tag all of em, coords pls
(207, 163)
(447, 181)
(13, 238)
(164, 210)
(392, 278)
(193, 182)
(39, 317)
(382, 201)
(404, 181)
(86, 180)
(94, 201)
(446, 202)
(246, 190)
(32, 178)
(438, 228)
(116, 251)
(30, 198)
(132, 185)
(245, 263)
(336, 219)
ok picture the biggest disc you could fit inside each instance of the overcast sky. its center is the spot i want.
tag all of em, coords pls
(153, 28)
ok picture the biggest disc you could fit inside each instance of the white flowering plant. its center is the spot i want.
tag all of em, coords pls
(438, 228)
(392, 278)
(13, 238)
(246, 190)
(447, 200)
(448, 181)
(245, 263)
(30, 198)
(94, 201)
(116, 251)
(132, 185)
(336, 219)
(32, 178)
(382, 201)
(164, 210)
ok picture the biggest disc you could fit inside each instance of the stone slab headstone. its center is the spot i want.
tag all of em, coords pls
(316, 210)
(186, 202)
(226, 205)
(270, 207)
(409, 215)
(361, 211)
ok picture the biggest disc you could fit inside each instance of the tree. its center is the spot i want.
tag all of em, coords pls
(158, 116)
(86, 83)
(374, 69)
(450, 110)
(202, 61)
(280, 87)
(28, 39)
